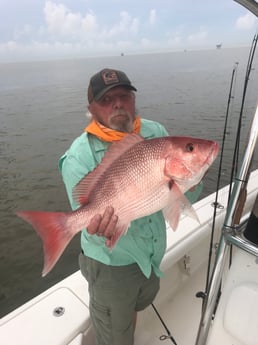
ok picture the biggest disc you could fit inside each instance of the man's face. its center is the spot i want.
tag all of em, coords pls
(115, 109)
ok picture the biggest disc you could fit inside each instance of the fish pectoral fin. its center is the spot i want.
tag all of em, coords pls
(189, 211)
(178, 204)
(172, 215)
(121, 229)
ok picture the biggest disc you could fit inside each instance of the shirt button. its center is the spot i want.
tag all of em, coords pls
(150, 221)
(155, 240)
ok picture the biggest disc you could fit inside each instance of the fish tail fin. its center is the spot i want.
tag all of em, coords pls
(53, 231)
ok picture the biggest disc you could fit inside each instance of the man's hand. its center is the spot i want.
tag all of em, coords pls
(103, 225)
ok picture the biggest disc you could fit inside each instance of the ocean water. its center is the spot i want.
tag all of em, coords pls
(42, 110)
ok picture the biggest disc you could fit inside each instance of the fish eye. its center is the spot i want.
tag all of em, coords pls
(189, 147)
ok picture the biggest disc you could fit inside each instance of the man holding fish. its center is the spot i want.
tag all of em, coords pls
(124, 176)
(126, 279)
(123, 280)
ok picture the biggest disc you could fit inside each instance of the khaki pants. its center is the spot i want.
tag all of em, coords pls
(116, 292)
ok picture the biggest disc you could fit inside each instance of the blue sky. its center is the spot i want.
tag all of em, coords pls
(57, 29)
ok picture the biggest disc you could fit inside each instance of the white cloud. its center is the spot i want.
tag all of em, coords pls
(122, 45)
(181, 38)
(246, 22)
(26, 31)
(60, 20)
(126, 24)
(10, 45)
(89, 22)
(152, 17)
(58, 30)
(197, 37)
(145, 42)
(134, 29)
(175, 41)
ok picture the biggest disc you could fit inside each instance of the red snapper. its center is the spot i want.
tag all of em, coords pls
(136, 177)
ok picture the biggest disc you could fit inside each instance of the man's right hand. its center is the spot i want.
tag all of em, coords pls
(103, 225)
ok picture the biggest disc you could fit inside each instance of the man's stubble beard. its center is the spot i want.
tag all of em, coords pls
(122, 121)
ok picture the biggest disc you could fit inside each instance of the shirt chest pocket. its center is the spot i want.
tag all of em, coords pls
(143, 228)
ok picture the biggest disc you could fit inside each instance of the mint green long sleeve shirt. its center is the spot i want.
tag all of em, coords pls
(145, 240)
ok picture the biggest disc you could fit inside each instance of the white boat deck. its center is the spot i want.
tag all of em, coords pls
(181, 314)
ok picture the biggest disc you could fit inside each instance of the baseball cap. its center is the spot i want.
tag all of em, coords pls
(105, 80)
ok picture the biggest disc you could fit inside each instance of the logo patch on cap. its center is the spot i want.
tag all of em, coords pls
(110, 77)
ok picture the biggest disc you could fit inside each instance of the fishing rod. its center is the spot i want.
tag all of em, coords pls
(228, 231)
(216, 204)
(228, 227)
(238, 135)
(235, 156)
(169, 335)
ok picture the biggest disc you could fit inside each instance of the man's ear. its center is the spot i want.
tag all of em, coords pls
(88, 112)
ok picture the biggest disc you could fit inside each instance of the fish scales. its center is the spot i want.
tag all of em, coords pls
(133, 172)
(136, 177)
(129, 178)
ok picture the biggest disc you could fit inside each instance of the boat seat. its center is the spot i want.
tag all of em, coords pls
(251, 231)
(241, 318)
(60, 312)
(236, 318)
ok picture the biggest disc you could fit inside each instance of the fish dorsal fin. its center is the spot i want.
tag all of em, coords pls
(178, 204)
(82, 191)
